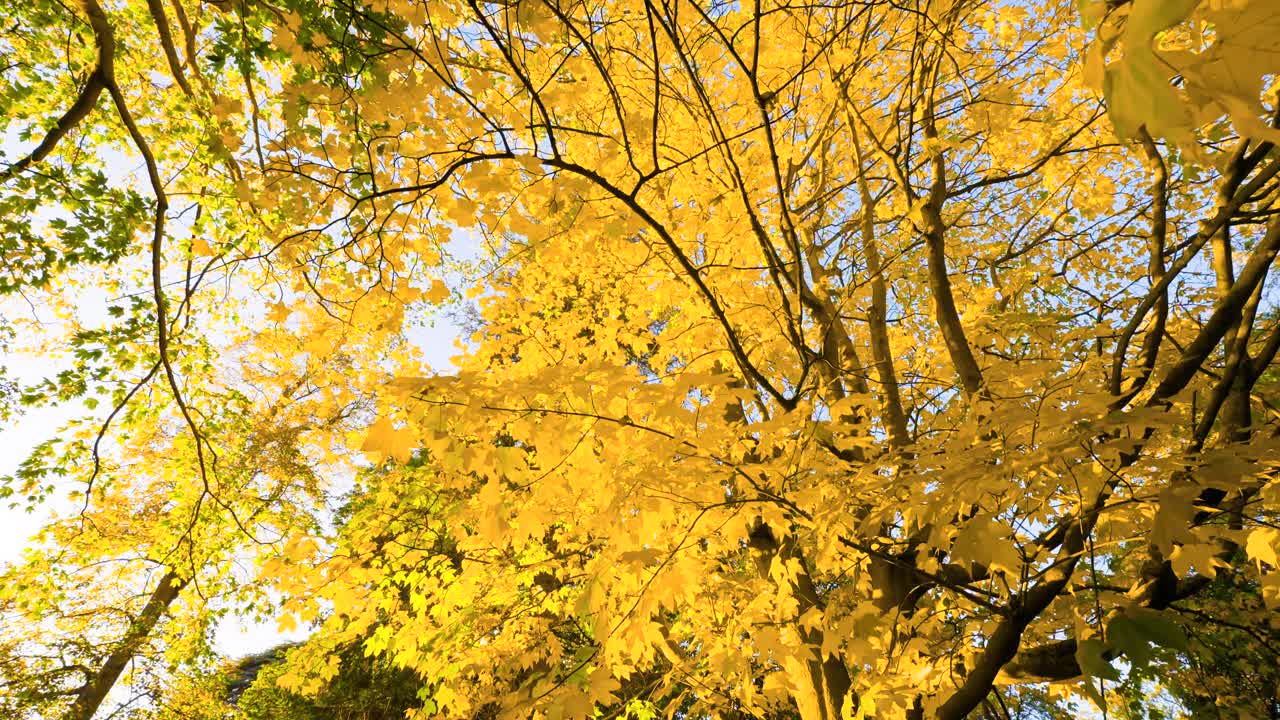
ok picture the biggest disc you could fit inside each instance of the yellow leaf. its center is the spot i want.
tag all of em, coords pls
(388, 440)
(279, 313)
(287, 623)
(1261, 546)
(438, 293)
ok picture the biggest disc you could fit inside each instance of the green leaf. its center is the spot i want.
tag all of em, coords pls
(1089, 654)
(1093, 693)
(1156, 627)
(1129, 638)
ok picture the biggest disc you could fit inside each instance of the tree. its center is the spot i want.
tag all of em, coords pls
(367, 689)
(849, 359)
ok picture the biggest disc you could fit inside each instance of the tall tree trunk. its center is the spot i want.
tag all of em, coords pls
(90, 695)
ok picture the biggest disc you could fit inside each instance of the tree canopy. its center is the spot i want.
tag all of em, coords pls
(852, 359)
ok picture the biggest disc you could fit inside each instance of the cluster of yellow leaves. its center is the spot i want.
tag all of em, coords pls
(709, 438)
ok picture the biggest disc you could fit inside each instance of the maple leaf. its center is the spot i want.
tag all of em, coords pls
(811, 362)
(385, 439)
(1261, 546)
(279, 312)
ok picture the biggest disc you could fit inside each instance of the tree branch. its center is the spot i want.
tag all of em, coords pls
(85, 101)
(90, 695)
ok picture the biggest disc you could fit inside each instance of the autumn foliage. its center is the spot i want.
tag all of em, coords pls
(838, 360)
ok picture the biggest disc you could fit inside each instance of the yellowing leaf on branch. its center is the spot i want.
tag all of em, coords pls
(1262, 545)
(387, 440)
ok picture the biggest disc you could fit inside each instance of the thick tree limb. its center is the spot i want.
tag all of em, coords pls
(156, 8)
(1056, 661)
(829, 678)
(1155, 266)
(84, 103)
(881, 353)
(931, 226)
(1208, 227)
(90, 695)
(1224, 316)
(944, 304)
(1002, 646)
(1232, 390)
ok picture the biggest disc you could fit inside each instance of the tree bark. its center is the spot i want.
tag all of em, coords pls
(90, 695)
(85, 101)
